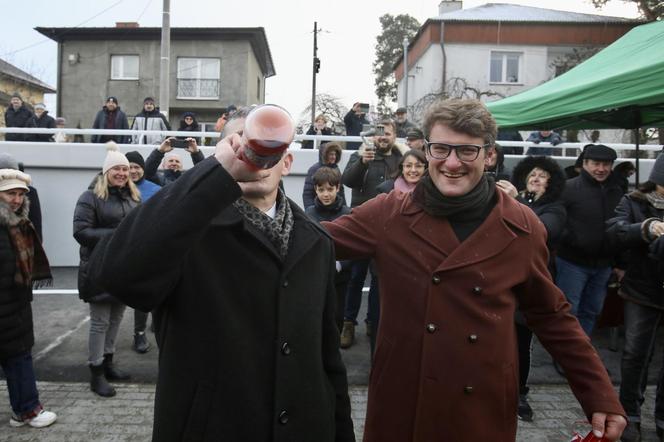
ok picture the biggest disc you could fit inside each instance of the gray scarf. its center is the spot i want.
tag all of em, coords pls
(656, 199)
(277, 230)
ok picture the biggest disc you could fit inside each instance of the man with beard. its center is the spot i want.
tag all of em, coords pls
(111, 117)
(367, 168)
(402, 123)
(18, 115)
(241, 283)
(149, 119)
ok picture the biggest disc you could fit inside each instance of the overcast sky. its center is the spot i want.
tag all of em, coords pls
(345, 47)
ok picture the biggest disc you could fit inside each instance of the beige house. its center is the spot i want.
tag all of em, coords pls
(13, 79)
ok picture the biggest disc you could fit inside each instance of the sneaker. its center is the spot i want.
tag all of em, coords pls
(632, 432)
(347, 334)
(40, 420)
(141, 344)
(525, 412)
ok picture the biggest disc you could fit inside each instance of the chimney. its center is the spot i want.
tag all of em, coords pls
(446, 6)
(126, 24)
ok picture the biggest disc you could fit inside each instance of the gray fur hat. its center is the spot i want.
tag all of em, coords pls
(7, 161)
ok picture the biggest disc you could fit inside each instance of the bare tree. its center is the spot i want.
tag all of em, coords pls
(328, 105)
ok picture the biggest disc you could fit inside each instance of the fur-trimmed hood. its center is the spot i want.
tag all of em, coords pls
(9, 218)
(556, 184)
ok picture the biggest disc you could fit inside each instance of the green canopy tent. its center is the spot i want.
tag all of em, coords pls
(622, 86)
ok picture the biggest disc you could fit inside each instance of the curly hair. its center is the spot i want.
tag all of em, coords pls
(470, 117)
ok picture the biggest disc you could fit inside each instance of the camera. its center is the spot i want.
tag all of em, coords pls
(181, 144)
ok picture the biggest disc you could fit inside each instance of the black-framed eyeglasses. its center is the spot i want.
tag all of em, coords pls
(464, 152)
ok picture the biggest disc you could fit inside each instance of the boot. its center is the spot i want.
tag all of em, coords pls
(98, 382)
(347, 334)
(632, 432)
(525, 412)
(111, 372)
(141, 344)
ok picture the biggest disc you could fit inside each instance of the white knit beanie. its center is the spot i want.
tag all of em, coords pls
(13, 179)
(114, 157)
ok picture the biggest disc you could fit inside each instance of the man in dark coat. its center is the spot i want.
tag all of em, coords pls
(18, 115)
(242, 282)
(585, 258)
(111, 117)
(455, 259)
(44, 121)
(354, 120)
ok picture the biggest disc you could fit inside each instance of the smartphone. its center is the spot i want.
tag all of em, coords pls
(364, 108)
(182, 144)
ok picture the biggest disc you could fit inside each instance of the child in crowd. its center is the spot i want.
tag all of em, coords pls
(329, 206)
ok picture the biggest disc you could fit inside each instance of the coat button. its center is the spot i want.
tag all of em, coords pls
(477, 290)
(285, 349)
(285, 284)
(468, 389)
(435, 279)
(283, 417)
(431, 328)
(472, 339)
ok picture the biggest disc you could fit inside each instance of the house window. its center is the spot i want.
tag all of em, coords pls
(198, 78)
(505, 67)
(124, 67)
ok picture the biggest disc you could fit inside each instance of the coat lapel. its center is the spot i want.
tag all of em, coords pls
(303, 237)
(492, 237)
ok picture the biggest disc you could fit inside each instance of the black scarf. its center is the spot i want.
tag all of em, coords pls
(470, 206)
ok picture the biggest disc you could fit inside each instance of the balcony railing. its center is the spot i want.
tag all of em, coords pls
(197, 88)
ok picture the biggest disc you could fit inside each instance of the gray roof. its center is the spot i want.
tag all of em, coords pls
(16, 74)
(506, 12)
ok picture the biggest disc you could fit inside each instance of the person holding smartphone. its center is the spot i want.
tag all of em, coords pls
(354, 120)
(172, 162)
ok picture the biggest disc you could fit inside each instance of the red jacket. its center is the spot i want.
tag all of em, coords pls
(445, 367)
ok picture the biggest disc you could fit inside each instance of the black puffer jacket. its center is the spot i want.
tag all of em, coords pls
(644, 275)
(365, 178)
(94, 218)
(45, 121)
(21, 117)
(16, 335)
(549, 208)
(589, 205)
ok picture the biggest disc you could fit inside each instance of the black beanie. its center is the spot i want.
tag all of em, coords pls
(657, 172)
(136, 157)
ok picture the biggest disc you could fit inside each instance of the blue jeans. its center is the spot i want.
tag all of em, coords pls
(354, 293)
(21, 383)
(585, 289)
(641, 324)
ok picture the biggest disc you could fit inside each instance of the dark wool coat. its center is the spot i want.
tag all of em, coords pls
(21, 117)
(643, 282)
(45, 121)
(445, 367)
(16, 332)
(589, 205)
(95, 218)
(249, 350)
(354, 123)
(364, 179)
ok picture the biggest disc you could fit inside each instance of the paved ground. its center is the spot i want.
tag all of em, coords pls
(61, 327)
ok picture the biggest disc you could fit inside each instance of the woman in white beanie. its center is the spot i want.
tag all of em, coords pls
(98, 212)
(23, 264)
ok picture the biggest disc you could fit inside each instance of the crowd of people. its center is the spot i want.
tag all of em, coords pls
(467, 261)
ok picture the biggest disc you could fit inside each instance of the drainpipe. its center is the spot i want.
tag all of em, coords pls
(442, 48)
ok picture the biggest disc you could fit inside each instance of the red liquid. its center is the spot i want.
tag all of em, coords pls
(268, 131)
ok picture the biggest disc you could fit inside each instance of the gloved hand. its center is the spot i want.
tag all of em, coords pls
(556, 141)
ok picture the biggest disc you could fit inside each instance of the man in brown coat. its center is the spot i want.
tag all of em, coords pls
(456, 258)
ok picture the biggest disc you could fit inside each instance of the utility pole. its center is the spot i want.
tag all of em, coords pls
(405, 72)
(164, 75)
(316, 68)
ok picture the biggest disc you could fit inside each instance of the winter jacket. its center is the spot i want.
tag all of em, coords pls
(193, 127)
(365, 178)
(154, 120)
(354, 123)
(589, 204)
(95, 218)
(499, 171)
(536, 137)
(21, 117)
(120, 122)
(403, 128)
(165, 176)
(45, 121)
(309, 144)
(147, 188)
(249, 348)
(16, 332)
(643, 282)
(35, 214)
(309, 189)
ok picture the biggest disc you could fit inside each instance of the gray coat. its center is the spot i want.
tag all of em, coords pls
(249, 349)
